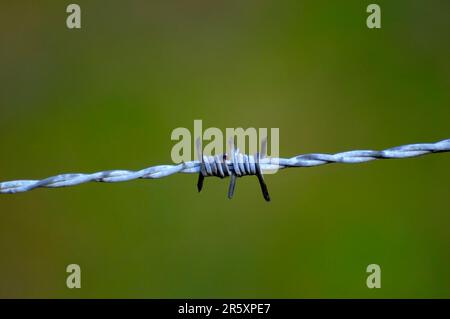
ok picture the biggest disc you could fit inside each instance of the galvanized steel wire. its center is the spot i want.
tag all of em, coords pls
(236, 165)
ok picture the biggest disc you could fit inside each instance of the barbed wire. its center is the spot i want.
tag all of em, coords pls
(234, 165)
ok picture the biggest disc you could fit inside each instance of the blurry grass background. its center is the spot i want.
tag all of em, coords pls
(108, 96)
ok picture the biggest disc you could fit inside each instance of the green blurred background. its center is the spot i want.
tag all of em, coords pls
(108, 96)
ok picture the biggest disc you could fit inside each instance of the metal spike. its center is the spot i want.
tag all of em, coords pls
(262, 183)
(264, 147)
(201, 176)
(232, 186)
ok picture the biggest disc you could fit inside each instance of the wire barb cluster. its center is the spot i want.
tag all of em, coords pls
(241, 165)
(235, 165)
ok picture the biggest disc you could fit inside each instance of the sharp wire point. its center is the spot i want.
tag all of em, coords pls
(264, 147)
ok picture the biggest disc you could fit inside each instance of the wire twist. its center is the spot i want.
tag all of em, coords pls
(241, 165)
(237, 165)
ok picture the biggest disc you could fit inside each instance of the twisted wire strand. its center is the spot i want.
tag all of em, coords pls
(238, 165)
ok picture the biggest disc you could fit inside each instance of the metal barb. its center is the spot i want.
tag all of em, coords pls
(262, 183)
(241, 165)
(201, 177)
